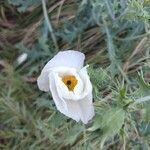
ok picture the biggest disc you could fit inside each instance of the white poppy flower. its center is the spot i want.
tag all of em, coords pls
(69, 83)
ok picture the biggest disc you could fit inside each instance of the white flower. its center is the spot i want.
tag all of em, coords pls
(69, 83)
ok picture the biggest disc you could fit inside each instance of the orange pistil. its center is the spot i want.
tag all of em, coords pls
(70, 81)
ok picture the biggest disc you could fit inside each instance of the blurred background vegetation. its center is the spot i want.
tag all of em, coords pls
(114, 35)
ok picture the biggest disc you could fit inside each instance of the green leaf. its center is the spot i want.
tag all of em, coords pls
(42, 102)
(22, 5)
(6, 134)
(147, 112)
(109, 121)
(43, 126)
(99, 77)
(73, 134)
(144, 86)
(144, 129)
(138, 10)
(83, 19)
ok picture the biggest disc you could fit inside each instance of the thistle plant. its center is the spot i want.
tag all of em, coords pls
(113, 35)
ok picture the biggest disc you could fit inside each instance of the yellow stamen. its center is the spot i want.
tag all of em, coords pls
(70, 81)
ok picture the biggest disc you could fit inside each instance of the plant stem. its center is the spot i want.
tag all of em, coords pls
(49, 24)
(143, 99)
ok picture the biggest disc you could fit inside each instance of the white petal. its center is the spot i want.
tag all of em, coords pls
(78, 110)
(65, 93)
(87, 109)
(59, 101)
(70, 58)
(85, 104)
(73, 110)
(82, 110)
(86, 79)
(62, 89)
(82, 89)
(43, 82)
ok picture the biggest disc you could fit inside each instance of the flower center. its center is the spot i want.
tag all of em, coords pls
(70, 81)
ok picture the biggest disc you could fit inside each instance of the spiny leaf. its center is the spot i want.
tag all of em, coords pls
(73, 134)
(138, 10)
(144, 86)
(110, 121)
(99, 77)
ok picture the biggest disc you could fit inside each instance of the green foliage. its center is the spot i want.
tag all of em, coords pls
(147, 112)
(110, 33)
(100, 80)
(83, 19)
(99, 77)
(23, 5)
(138, 10)
(144, 87)
(73, 134)
(109, 121)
